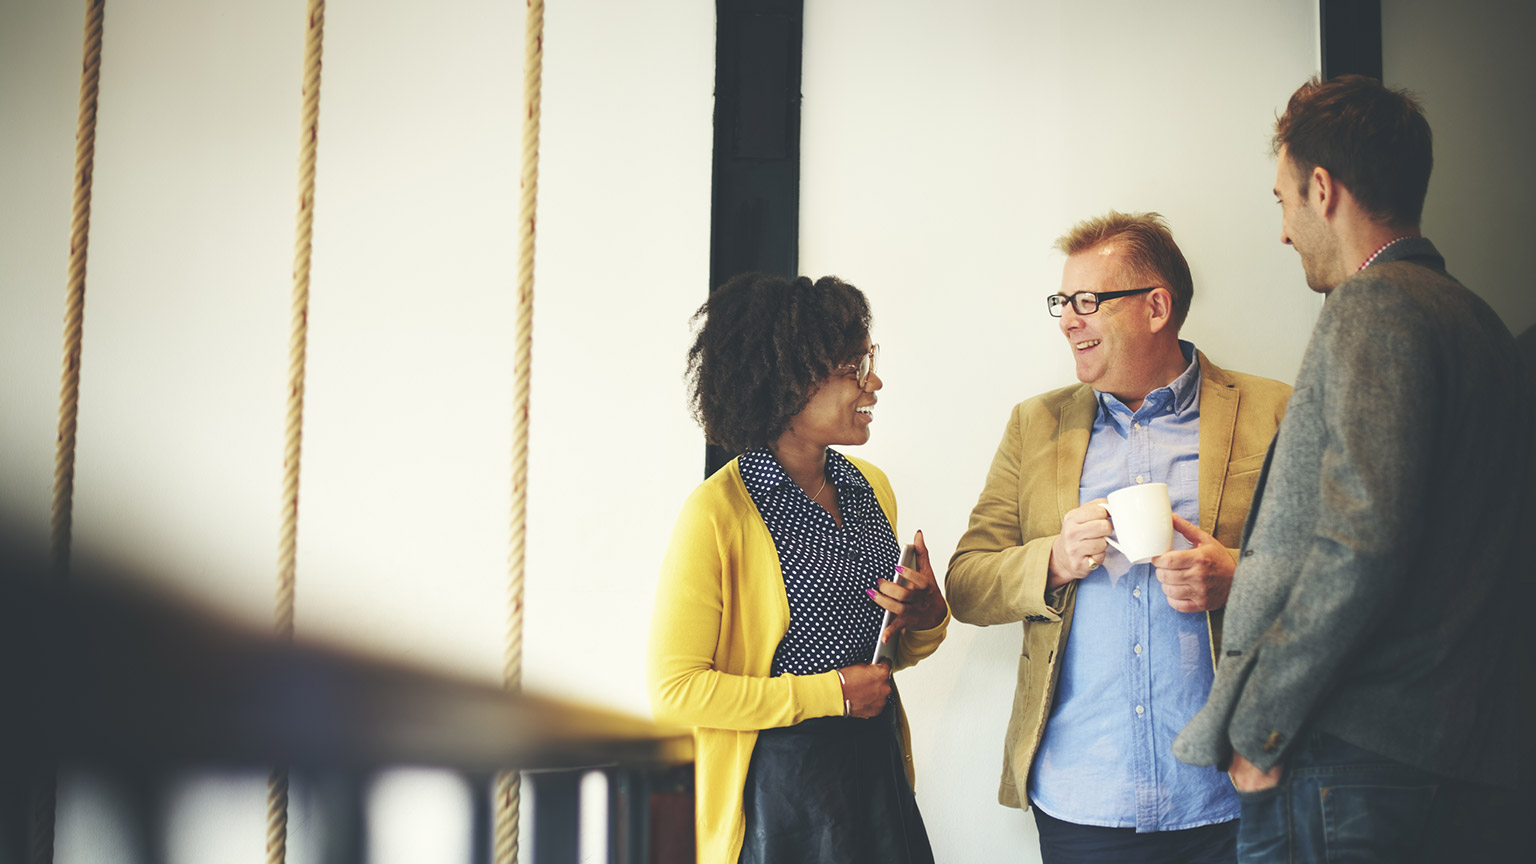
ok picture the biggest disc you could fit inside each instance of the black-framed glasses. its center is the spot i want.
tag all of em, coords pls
(865, 365)
(1086, 302)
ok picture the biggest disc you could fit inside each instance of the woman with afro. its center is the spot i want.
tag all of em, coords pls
(776, 579)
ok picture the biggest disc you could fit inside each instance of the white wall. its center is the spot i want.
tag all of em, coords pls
(942, 153)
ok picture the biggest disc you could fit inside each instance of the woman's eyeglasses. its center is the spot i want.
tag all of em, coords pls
(865, 365)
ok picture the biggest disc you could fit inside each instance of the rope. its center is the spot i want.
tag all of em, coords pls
(44, 789)
(508, 783)
(74, 307)
(298, 340)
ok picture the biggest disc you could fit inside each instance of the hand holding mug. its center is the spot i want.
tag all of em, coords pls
(1080, 546)
(1197, 579)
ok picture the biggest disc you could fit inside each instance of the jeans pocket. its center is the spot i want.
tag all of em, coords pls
(1375, 822)
(1264, 827)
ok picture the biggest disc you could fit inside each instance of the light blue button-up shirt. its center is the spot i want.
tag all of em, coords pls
(1134, 671)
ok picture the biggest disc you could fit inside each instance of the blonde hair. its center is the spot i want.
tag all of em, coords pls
(1149, 246)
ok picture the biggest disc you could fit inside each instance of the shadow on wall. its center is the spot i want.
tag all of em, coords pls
(1527, 343)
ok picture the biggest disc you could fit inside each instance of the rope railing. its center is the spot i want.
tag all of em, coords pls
(74, 307)
(62, 523)
(508, 784)
(298, 341)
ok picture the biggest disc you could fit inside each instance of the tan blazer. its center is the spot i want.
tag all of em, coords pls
(998, 572)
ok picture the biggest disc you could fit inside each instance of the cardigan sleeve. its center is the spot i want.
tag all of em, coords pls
(915, 645)
(700, 653)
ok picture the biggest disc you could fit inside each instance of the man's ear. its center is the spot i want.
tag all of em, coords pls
(1323, 191)
(1160, 308)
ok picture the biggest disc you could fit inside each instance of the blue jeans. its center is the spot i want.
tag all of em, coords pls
(1339, 803)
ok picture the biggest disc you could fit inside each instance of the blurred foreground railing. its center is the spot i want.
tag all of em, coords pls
(141, 691)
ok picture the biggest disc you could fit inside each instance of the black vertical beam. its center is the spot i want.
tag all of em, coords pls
(339, 805)
(755, 215)
(556, 816)
(144, 800)
(1351, 37)
(628, 817)
(15, 812)
(482, 819)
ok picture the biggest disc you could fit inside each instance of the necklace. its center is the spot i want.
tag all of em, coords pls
(1378, 252)
(819, 488)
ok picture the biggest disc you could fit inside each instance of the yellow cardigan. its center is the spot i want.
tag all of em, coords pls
(720, 613)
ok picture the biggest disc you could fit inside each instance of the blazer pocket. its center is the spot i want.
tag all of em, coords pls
(1243, 465)
(1236, 497)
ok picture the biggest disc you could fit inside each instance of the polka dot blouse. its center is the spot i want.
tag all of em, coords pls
(832, 622)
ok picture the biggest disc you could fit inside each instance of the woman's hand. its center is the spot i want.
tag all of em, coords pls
(919, 604)
(865, 688)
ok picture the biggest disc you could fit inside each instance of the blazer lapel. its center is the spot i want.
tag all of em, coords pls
(1218, 425)
(1076, 419)
(1258, 490)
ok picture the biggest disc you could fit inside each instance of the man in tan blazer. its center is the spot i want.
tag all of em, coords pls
(1088, 743)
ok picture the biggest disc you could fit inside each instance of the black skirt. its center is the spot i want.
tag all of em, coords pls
(832, 789)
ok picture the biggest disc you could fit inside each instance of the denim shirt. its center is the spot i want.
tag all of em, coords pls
(1134, 671)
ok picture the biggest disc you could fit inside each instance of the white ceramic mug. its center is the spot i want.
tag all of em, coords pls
(1143, 521)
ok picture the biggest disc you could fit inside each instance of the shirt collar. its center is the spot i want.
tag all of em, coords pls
(765, 475)
(842, 474)
(1182, 393)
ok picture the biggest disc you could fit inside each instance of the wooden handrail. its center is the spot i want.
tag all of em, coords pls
(96, 674)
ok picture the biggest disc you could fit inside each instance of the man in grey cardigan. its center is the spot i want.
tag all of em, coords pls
(1364, 695)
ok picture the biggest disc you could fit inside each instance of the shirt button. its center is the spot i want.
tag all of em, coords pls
(1140, 710)
(1135, 425)
(1141, 478)
(1136, 592)
(1137, 649)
